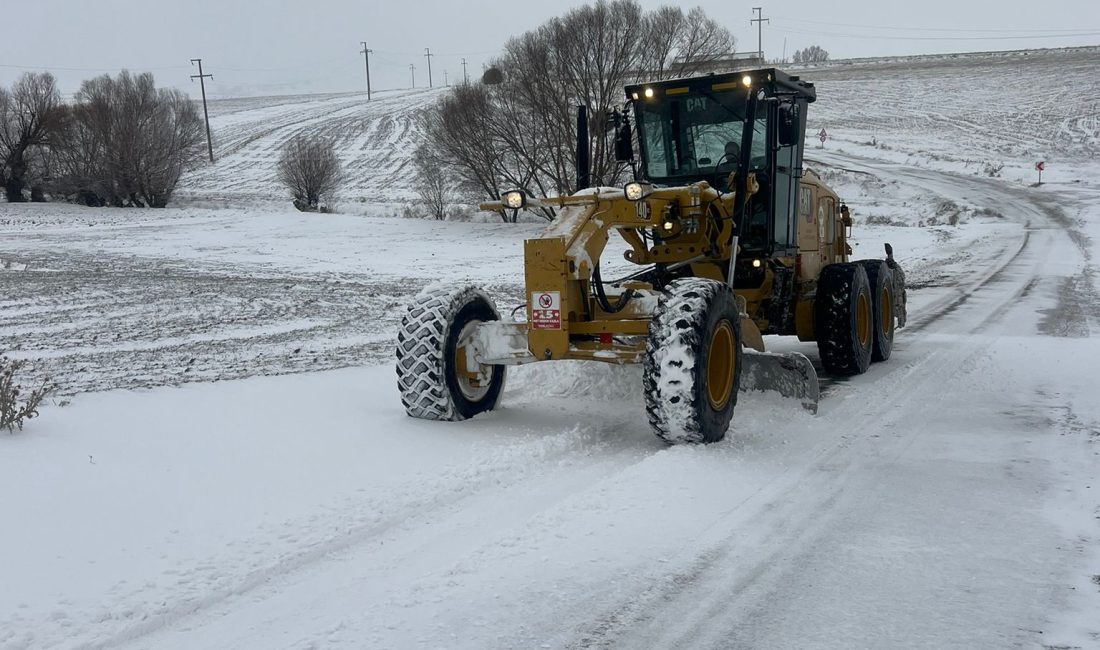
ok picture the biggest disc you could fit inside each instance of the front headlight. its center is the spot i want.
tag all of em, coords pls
(514, 199)
(634, 191)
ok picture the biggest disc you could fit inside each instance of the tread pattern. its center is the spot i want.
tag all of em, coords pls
(421, 370)
(668, 372)
(834, 319)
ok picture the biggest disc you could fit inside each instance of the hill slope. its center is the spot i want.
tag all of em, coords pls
(374, 141)
(968, 113)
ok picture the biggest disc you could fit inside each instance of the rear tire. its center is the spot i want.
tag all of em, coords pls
(843, 319)
(882, 294)
(692, 367)
(432, 382)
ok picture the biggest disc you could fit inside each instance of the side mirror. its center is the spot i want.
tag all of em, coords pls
(624, 143)
(790, 125)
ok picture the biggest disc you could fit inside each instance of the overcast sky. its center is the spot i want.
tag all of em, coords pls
(282, 46)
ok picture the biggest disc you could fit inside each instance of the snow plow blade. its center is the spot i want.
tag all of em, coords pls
(790, 374)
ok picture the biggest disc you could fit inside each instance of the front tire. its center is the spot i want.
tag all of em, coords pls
(844, 319)
(692, 367)
(431, 373)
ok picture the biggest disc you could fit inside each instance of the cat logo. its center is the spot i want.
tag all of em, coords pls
(696, 104)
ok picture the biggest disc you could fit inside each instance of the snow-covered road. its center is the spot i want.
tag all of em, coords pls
(944, 499)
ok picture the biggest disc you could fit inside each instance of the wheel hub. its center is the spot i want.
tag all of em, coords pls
(721, 366)
(863, 320)
(473, 384)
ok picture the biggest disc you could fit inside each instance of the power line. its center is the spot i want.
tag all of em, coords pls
(106, 69)
(931, 29)
(397, 53)
(897, 37)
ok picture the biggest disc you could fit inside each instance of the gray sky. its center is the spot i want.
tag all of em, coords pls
(280, 46)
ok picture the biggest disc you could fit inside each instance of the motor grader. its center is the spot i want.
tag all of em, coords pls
(733, 240)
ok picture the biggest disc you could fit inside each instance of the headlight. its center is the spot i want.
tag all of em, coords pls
(514, 199)
(649, 93)
(634, 191)
(756, 264)
(747, 80)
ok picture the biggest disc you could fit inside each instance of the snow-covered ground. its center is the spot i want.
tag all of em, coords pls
(945, 499)
(373, 141)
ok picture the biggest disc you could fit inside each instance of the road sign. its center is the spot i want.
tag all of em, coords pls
(823, 135)
(1041, 165)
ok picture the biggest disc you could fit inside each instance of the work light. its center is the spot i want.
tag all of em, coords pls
(514, 199)
(634, 191)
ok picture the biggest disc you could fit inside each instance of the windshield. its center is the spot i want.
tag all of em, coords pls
(696, 136)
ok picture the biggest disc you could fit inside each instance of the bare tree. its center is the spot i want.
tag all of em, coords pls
(522, 133)
(125, 143)
(434, 187)
(678, 46)
(309, 168)
(811, 54)
(28, 117)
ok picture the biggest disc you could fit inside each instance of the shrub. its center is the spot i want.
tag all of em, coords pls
(311, 171)
(13, 411)
(992, 169)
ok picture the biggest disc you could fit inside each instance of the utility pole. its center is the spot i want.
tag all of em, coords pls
(366, 59)
(205, 113)
(760, 20)
(428, 56)
(445, 81)
(465, 78)
(412, 70)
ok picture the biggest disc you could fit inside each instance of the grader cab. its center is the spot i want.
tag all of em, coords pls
(733, 240)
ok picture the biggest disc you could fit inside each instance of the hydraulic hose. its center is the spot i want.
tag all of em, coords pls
(601, 295)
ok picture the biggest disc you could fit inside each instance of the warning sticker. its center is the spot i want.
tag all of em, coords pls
(546, 310)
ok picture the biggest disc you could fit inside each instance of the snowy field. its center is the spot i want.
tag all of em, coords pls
(227, 463)
(373, 141)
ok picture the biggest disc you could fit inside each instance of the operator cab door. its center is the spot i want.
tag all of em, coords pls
(786, 126)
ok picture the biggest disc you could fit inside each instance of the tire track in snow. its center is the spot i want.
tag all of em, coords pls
(799, 508)
(395, 532)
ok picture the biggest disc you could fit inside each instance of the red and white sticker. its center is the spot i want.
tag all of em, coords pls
(546, 310)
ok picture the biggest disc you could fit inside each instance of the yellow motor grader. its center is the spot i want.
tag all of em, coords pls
(733, 239)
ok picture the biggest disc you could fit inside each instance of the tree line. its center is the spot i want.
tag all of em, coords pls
(121, 141)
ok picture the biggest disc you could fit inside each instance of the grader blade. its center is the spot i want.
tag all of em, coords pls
(790, 374)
